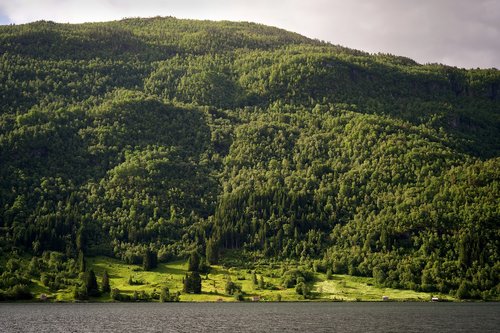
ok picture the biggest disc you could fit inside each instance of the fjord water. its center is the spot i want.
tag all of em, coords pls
(250, 317)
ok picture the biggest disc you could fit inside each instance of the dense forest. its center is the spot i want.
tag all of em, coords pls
(152, 139)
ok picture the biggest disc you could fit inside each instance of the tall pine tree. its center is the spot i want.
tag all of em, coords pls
(105, 287)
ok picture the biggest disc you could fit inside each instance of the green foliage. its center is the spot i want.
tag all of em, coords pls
(212, 251)
(80, 293)
(294, 276)
(82, 265)
(16, 292)
(194, 262)
(239, 296)
(231, 288)
(115, 294)
(261, 284)
(149, 260)
(165, 295)
(192, 283)
(144, 139)
(105, 287)
(254, 279)
(91, 287)
(463, 291)
(302, 289)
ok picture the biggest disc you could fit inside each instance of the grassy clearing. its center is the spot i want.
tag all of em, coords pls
(351, 288)
(339, 288)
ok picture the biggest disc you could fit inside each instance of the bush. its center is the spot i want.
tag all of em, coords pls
(165, 295)
(239, 296)
(80, 293)
(20, 292)
(302, 289)
(463, 291)
(115, 294)
(134, 282)
(294, 276)
(13, 265)
(231, 288)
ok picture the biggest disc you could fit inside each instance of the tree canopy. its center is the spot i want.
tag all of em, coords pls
(154, 139)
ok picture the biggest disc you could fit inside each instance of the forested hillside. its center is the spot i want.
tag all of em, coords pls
(160, 137)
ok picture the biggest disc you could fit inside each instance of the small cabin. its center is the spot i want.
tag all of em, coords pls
(385, 298)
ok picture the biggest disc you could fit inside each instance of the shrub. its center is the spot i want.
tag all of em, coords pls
(115, 294)
(20, 292)
(239, 296)
(80, 293)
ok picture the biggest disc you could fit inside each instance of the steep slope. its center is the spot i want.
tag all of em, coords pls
(167, 136)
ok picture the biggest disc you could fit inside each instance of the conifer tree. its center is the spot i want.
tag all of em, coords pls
(194, 261)
(262, 284)
(91, 284)
(82, 265)
(105, 287)
(196, 282)
(149, 260)
(212, 251)
(254, 279)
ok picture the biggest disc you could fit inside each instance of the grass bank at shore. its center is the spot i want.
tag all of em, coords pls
(337, 288)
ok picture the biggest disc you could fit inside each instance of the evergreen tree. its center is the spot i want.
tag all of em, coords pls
(80, 239)
(254, 279)
(194, 262)
(91, 284)
(212, 251)
(149, 260)
(192, 283)
(196, 282)
(186, 285)
(262, 284)
(82, 265)
(204, 267)
(105, 287)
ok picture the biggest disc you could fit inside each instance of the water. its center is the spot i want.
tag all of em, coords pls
(250, 317)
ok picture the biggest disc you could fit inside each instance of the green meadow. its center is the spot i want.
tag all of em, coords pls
(338, 288)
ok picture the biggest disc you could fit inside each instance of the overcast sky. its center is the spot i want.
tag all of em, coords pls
(462, 33)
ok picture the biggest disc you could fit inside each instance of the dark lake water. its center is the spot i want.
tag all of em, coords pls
(250, 317)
